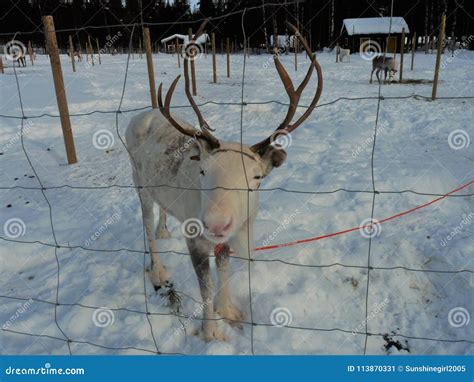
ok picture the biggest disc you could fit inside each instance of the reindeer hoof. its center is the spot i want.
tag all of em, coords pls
(231, 315)
(156, 279)
(211, 335)
(162, 234)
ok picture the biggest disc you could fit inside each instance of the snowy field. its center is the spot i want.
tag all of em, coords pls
(331, 151)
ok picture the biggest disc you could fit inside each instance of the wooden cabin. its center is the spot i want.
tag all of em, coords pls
(385, 32)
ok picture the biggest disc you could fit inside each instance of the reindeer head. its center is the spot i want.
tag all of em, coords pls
(229, 170)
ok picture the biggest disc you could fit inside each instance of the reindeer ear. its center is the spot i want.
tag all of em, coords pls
(273, 157)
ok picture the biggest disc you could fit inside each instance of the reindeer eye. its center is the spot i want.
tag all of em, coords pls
(202, 172)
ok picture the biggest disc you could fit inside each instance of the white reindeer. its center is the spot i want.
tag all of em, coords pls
(75, 54)
(387, 64)
(341, 53)
(209, 183)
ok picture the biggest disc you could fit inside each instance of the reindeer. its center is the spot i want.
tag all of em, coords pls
(210, 183)
(387, 64)
(75, 54)
(341, 53)
(21, 60)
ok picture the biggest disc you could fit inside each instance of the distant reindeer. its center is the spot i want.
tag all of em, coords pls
(210, 184)
(341, 53)
(75, 54)
(387, 64)
(21, 60)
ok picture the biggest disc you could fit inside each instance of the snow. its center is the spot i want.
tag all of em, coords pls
(332, 150)
(185, 38)
(375, 25)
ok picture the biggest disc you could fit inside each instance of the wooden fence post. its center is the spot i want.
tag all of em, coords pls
(30, 52)
(214, 69)
(71, 52)
(140, 47)
(438, 56)
(1, 65)
(402, 51)
(413, 48)
(178, 53)
(48, 24)
(149, 64)
(193, 68)
(228, 57)
(91, 49)
(98, 50)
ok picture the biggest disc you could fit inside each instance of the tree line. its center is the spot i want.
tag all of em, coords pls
(319, 20)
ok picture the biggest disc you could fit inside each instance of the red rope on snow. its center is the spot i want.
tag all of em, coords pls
(367, 225)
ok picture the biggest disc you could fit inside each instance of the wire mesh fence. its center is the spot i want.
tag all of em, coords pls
(147, 312)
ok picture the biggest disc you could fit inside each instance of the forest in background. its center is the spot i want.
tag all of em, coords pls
(320, 20)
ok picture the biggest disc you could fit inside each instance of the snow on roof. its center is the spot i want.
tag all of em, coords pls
(374, 25)
(201, 40)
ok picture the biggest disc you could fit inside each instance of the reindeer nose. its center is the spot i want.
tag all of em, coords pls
(218, 226)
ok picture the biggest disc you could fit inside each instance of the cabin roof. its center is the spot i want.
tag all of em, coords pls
(374, 25)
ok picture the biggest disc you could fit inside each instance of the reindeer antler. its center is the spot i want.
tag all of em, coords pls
(204, 133)
(295, 95)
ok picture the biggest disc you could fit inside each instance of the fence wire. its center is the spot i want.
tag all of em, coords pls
(54, 244)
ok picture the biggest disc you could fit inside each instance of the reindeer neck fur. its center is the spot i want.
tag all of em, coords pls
(162, 157)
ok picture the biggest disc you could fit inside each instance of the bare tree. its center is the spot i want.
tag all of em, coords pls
(426, 25)
(265, 26)
(453, 30)
(331, 25)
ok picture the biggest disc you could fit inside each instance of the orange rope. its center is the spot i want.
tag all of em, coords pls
(367, 225)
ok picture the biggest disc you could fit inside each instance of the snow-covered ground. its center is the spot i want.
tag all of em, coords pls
(332, 150)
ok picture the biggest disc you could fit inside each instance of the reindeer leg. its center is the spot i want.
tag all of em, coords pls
(162, 230)
(199, 249)
(371, 75)
(158, 274)
(223, 302)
